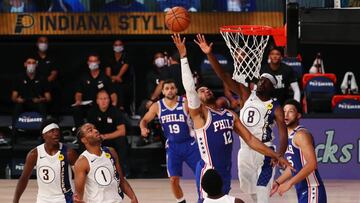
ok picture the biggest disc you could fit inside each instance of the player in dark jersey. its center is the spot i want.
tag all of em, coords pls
(301, 154)
(214, 127)
(180, 145)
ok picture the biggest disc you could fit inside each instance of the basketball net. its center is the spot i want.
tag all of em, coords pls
(246, 44)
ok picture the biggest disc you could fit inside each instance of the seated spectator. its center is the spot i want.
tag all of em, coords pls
(59, 6)
(124, 6)
(284, 75)
(109, 121)
(89, 85)
(118, 70)
(30, 93)
(191, 5)
(18, 6)
(235, 5)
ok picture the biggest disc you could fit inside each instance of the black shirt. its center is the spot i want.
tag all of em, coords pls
(173, 72)
(45, 66)
(285, 76)
(152, 80)
(29, 89)
(116, 66)
(105, 122)
(90, 86)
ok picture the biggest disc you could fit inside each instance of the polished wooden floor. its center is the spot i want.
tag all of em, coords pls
(158, 191)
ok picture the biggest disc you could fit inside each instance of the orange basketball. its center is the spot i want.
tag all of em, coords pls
(177, 19)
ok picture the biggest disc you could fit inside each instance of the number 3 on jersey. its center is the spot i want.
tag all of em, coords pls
(174, 128)
(227, 137)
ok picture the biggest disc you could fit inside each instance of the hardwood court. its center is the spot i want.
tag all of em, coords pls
(158, 191)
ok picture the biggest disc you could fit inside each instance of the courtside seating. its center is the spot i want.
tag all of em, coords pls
(346, 104)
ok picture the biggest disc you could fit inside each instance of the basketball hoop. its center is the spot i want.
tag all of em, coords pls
(246, 44)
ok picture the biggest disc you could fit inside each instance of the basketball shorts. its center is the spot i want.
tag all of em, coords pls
(177, 153)
(255, 171)
(312, 195)
(224, 172)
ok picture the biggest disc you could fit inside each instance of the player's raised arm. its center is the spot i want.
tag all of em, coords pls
(194, 103)
(234, 86)
(149, 116)
(283, 134)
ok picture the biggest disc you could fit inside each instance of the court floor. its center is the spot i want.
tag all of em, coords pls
(158, 191)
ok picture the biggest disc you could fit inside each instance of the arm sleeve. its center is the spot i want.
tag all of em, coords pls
(189, 85)
(296, 89)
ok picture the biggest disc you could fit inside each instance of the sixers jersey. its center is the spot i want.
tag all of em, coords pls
(174, 121)
(295, 156)
(53, 176)
(258, 117)
(215, 139)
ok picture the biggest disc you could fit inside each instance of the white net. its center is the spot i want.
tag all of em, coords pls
(247, 45)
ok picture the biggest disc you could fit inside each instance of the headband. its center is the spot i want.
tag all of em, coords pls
(50, 127)
(270, 77)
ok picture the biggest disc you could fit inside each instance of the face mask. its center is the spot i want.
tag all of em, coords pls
(118, 48)
(42, 46)
(30, 68)
(160, 62)
(93, 66)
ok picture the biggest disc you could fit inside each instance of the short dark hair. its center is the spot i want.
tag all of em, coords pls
(95, 55)
(212, 183)
(175, 56)
(168, 81)
(80, 132)
(47, 122)
(279, 49)
(294, 103)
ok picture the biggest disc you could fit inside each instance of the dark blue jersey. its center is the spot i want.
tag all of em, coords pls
(174, 121)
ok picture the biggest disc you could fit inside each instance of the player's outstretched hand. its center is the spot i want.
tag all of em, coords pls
(144, 132)
(180, 44)
(274, 188)
(283, 163)
(204, 46)
(284, 188)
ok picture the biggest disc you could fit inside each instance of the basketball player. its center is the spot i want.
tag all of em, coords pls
(212, 184)
(52, 160)
(180, 145)
(214, 127)
(258, 114)
(301, 154)
(98, 176)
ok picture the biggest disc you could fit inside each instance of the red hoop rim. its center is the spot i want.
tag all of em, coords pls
(247, 29)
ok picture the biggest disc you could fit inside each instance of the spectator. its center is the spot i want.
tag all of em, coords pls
(30, 93)
(173, 72)
(89, 85)
(18, 6)
(235, 5)
(284, 75)
(124, 6)
(191, 5)
(117, 68)
(110, 123)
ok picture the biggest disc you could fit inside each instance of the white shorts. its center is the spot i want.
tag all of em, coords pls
(254, 171)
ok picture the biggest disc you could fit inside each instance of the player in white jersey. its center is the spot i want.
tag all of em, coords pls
(258, 114)
(98, 176)
(52, 160)
(212, 184)
(214, 126)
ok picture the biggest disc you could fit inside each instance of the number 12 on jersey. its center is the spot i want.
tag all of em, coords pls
(227, 137)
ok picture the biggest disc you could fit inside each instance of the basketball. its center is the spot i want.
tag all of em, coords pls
(177, 19)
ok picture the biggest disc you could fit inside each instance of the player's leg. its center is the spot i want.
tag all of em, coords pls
(174, 167)
(312, 195)
(200, 171)
(265, 178)
(192, 155)
(246, 172)
(226, 178)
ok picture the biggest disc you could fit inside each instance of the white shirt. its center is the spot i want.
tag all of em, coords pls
(223, 199)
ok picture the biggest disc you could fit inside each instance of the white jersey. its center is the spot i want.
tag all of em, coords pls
(102, 184)
(223, 199)
(258, 117)
(53, 176)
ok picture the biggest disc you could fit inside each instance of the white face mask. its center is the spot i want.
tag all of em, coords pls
(43, 46)
(93, 66)
(118, 48)
(30, 68)
(160, 62)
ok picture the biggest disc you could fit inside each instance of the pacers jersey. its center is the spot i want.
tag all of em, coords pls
(53, 176)
(223, 199)
(215, 139)
(295, 156)
(174, 121)
(258, 117)
(102, 183)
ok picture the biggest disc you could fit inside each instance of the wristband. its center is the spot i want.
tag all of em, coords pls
(277, 182)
